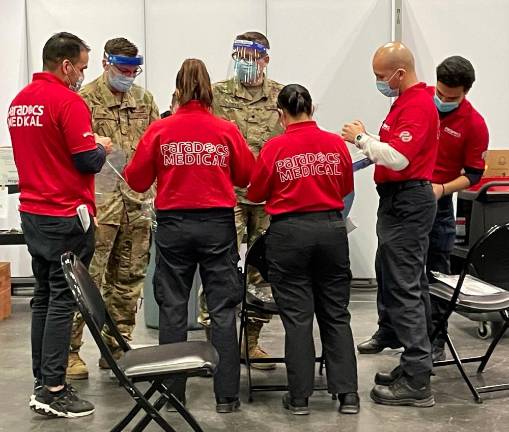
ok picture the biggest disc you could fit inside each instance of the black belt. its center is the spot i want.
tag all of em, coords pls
(394, 187)
(320, 215)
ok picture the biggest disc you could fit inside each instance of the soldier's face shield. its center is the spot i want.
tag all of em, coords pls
(249, 61)
(122, 70)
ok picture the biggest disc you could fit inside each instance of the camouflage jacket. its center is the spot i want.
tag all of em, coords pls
(124, 121)
(256, 117)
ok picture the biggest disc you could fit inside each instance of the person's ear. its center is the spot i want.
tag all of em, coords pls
(105, 64)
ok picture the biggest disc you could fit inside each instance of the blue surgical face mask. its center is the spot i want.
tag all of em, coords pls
(384, 87)
(445, 107)
(120, 83)
(245, 71)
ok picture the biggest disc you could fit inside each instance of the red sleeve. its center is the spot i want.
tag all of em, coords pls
(241, 159)
(76, 123)
(476, 145)
(410, 131)
(260, 187)
(140, 173)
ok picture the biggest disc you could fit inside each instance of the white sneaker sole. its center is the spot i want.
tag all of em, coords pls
(45, 409)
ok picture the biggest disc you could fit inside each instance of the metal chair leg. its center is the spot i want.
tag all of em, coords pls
(457, 360)
(120, 426)
(181, 409)
(492, 346)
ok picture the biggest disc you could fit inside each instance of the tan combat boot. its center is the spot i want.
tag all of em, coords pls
(255, 351)
(76, 367)
(117, 353)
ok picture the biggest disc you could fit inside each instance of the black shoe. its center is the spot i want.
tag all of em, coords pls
(171, 408)
(227, 405)
(296, 406)
(438, 353)
(377, 344)
(401, 393)
(388, 378)
(37, 388)
(64, 403)
(349, 403)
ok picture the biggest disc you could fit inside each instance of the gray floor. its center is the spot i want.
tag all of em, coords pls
(455, 410)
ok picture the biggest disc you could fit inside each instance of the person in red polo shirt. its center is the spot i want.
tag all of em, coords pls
(404, 154)
(303, 175)
(196, 159)
(56, 155)
(460, 164)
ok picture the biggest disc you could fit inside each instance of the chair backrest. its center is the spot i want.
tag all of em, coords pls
(488, 259)
(255, 257)
(90, 303)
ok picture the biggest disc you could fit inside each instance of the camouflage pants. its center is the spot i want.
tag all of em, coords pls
(252, 218)
(118, 268)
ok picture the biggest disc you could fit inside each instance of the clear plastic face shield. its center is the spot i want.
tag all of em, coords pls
(122, 71)
(249, 62)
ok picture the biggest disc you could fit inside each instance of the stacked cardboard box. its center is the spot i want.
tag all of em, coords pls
(5, 290)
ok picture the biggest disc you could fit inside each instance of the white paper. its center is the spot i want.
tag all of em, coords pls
(8, 167)
(471, 285)
(84, 216)
(4, 202)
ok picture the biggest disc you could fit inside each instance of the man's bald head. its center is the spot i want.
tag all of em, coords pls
(394, 55)
(394, 62)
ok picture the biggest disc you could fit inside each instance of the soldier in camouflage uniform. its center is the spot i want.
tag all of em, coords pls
(122, 111)
(252, 106)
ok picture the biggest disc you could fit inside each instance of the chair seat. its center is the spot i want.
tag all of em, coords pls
(188, 357)
(263, 303)
(472, 303)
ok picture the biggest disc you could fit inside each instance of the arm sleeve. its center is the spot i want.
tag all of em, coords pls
(154, 112)
(141, 172)
(76, 125)
(241, 159)
(261, 181)
(383, 153)
(90, 161)
(476, 145)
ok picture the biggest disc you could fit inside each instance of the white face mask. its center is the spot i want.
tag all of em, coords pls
(77, 85)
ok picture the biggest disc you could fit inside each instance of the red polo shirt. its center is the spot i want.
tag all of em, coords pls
(195, 157)
(412, 128)
(304, 170)
(48, 124)
(463, 141)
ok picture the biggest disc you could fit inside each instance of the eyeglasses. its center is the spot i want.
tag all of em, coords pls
(129, 72)
(248, 58)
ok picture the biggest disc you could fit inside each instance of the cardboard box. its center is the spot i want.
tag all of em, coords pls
(497, 163)
(5, 290)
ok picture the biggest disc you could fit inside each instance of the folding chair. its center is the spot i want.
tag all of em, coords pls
(488, 261)
(156, 365)
(255, 257)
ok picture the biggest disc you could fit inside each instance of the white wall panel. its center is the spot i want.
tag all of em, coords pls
(327, 45)
(181, 29)
(476, 30)
(13, 67)
(94, 21)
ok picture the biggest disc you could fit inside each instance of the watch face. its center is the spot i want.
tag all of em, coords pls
(358, 137)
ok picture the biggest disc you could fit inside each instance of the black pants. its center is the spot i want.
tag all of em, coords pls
(405, 217)
(441, 243)
(309, 270)
(208, 238)
(53, 304)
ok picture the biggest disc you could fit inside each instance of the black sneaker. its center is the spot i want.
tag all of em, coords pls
(65, 403)
(227, 405)
(296, 406)
(37, 388)
(349, 403)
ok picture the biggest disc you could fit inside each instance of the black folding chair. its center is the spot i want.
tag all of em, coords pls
(255, 257)
(488, 261)
(156, 365)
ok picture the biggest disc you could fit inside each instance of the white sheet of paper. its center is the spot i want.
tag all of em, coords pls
(471, 285)
(4, 202)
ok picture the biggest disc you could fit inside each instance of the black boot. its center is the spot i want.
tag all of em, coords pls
(400, 392)
(349, 403)
(226, 405)
(295, 405)
(377, 343)
(388, 378)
